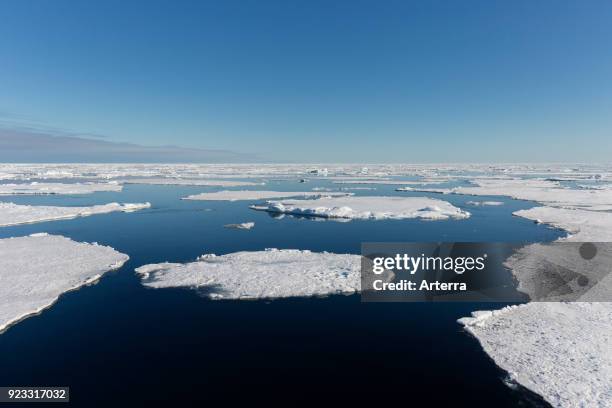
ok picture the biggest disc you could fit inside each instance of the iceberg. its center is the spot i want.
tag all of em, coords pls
(257, 195)
(273, 273)
(57, 188)
(35, 270)
(367, 207)
(14, 214)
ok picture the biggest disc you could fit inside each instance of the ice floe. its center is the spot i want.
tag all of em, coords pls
(13, 214)
(356, 188)
(562, 351)
(190, 182)
(273, 273)
(388, 182)
(35, 270)
(426, 190)
(365, 207)
(57, 188)
(559, 350)
(595, 186)
(582, 225)
(546, 192)
(242, 225)
(228, 195)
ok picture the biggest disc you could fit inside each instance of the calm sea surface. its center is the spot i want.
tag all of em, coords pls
(117, 343)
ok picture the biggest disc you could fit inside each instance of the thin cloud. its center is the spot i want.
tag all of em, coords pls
(21, 144)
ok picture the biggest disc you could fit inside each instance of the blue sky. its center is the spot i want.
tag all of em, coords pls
(315, 81)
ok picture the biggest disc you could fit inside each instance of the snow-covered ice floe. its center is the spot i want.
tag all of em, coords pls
(562, 351)
(14, 214)
(388, 182)
(547, 192)
(365, 207)
(190, 182)
(242, 225)
(273, 273)
(257, 195)
(356, 188)
(57, 188)
(582, 225)
(35, 270)
(426, 190)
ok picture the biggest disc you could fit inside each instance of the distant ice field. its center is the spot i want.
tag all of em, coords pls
(178, 231)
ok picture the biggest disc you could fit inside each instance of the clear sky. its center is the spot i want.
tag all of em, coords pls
(314, 81)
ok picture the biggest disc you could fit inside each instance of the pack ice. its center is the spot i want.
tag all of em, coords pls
(171, 181)
(547, 192)
(273, 273)
(35, 270)
(362, 207)
(57, 188)
(238, 195)
(14, 214)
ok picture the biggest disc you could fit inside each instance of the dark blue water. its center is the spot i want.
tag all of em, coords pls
(117, 343)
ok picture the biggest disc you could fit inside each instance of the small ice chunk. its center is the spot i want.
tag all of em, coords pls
(243, 225)
(483, 203)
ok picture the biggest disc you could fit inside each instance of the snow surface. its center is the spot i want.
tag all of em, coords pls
(190, 182)
(256, 195)
(562, 351)
(243, 225)
(13, 214)
(547, 192)
(424, 172)
(35, 270)
(388, 182)
(583, 225)
(365, 207)
(544, 191)
(57, 188)
(272, 273)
